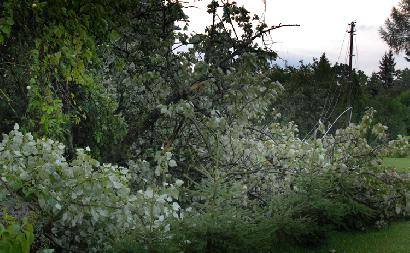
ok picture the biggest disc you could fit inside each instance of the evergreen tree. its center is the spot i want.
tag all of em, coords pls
(374, 84)
(387, 69)
(323, 69)
(403, 78)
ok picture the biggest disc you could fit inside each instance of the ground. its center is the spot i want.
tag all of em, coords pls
(401, 164)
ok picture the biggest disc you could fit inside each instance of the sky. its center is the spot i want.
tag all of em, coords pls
(323, 28)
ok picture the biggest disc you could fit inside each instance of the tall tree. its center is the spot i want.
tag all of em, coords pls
(65, 66)
(374, 84)
(387, 69)
(396, 32)
(403, 78)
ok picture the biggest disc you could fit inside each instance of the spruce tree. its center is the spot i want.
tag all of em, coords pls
(387, 69)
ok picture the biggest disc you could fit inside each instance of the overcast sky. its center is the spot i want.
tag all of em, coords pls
(323, 28)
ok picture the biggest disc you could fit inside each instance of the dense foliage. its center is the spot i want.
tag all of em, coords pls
(387, 69)
(15, 237)
(319, 91)
(397, 28)
(206, 164)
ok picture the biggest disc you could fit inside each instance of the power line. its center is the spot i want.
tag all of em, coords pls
(357, 53)
(341, 48)
(346, 54)
(329, 108)
(331, 101)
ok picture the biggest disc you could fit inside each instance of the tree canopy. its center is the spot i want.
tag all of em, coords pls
(387, 69)
(397, 29)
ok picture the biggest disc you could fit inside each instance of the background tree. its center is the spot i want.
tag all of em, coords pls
(387, 69)
(317, 92)
(66, 71)
(403, 78)
(374, 84)
(396, 32)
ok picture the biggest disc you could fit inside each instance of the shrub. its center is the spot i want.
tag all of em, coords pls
(280, 189)
(15, 237)
(80, 205)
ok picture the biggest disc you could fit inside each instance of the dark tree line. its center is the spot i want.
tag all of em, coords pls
(318, 91)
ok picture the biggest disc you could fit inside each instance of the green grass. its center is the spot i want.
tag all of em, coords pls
(393, 239)
(401, 164)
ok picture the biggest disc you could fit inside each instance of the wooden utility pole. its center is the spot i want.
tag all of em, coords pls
(350, 82)
(352, 31)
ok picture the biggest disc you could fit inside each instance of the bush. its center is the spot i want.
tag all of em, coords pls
(81, 205)
(306, 189)
(284, 190)
(15, 237)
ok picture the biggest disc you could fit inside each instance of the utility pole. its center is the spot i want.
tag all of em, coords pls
(352, 31)
(350, 82)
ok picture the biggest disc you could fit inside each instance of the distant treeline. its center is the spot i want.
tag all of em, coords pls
(320, 91)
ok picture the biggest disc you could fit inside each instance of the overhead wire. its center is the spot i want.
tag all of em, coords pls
(339, 88)
(336, 98)
(347, 54)
(338, 92)
(357, 53)
(338, 58)
(332, 98)
(329, 108)
(341, 48)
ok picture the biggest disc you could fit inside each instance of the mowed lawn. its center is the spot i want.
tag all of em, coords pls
(401, 164)
(393, 239)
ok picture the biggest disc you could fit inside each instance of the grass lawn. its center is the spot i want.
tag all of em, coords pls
(393, 239)
(401, 164)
